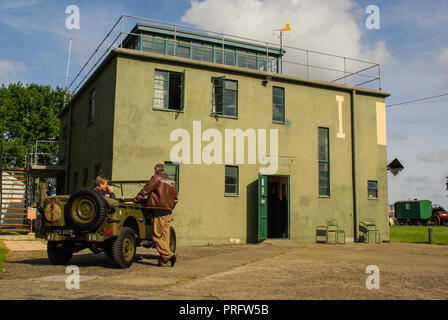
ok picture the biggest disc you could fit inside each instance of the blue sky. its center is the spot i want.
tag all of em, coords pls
(411, 46)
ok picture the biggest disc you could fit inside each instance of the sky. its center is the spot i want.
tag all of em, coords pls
(411, 45)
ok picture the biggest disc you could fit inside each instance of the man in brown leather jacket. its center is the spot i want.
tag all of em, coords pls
(161, 192)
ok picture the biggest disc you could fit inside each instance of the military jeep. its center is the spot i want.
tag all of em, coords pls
(87, 219)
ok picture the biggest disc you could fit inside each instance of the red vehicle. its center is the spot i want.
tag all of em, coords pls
(439, 215)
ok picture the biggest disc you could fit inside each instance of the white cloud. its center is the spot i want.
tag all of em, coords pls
(11, 68)
(14, 4)
(433, 156)
(328, 26)
(442, 59)
(416, 180)
(397, 136)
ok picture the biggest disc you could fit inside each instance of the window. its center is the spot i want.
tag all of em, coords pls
(252, 61)
(207, 53)
(158, 45)
(372, 189)
(324, 162)
(183, 49)
(229, 57)
(262, 64)
(91, 106)
(219, 57)
(172, 171)
(85, 177)
(242, 59)
(278, 104)
(169, 90)
(231, 180)
(225, 97)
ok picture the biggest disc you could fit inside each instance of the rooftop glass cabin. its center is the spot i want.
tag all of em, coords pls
(203, 47)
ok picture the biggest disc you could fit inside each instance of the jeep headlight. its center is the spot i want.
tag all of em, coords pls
(53, 212)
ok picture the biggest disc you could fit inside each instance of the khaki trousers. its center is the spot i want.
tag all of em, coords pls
(161, 236)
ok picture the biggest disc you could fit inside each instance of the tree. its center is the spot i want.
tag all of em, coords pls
(28, 113)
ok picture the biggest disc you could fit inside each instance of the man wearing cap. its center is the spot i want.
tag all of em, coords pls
(161, 192)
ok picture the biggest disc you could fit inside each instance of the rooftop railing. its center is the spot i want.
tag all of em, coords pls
(299, 62)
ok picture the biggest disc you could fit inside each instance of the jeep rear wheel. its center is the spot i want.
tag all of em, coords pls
(85, 210)
(58, 253)
(172, 240)
(124, 248)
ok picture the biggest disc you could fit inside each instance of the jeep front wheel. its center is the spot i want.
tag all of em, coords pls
(124, 247)
(58, 253)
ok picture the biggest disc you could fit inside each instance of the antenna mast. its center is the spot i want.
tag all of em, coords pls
(68, 67)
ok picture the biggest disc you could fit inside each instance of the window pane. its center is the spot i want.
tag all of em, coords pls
(262, 65)
(158, 45)
(252, 61)
(323, 144)
(242, 59)
(161, 75)
(230, 98)
(230, 58)
(324, 166)
(170, 47)
(161, 82)
(218, 57)
(231, 85)
(147, 43)
(218, 94)
(278, 108)
(230, 189)
(372, 189)
(231, 180)
(183, 50)
(373, 185)
(207, 54)
(197, 52)
(272, 64)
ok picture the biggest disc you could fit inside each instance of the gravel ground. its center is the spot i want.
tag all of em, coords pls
(271, 270)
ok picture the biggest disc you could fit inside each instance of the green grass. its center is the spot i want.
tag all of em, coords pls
(418, 234)
(3, 253)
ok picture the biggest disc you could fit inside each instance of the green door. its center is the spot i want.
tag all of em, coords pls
(262, 207)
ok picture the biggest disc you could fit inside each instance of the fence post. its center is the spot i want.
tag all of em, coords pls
(379, 77)
(345, 70)
(121, 35)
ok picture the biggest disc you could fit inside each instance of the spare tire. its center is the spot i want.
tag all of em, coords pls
(85, 210)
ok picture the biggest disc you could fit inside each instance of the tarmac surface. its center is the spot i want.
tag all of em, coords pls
(271, 270)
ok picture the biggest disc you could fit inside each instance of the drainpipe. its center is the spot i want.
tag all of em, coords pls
(68, 147)
(354, 174)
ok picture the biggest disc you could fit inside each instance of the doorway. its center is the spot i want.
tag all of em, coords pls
(273, 212)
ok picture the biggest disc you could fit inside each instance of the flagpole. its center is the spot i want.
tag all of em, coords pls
(281, 55)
